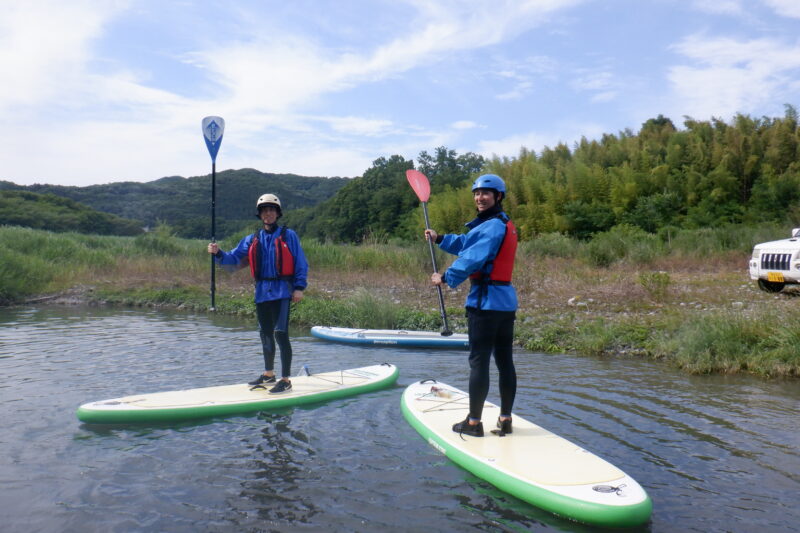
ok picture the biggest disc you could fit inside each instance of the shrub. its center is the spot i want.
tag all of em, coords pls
(656, 284)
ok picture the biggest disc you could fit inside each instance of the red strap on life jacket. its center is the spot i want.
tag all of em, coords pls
(284, 260)
(503, 263)
(254, 257)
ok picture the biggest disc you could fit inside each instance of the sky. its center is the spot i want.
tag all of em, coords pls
(104, 91)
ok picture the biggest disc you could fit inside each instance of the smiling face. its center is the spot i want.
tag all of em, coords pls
(484, 199)
(268, 214)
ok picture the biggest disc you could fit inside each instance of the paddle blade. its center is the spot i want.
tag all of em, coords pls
(419, 183)
(213, 128)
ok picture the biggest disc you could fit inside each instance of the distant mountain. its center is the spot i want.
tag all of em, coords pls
(55, 213)
(185, 203)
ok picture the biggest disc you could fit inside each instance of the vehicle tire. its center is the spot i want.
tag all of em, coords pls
(770, 286)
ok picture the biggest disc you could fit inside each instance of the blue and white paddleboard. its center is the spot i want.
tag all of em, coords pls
(391, 337)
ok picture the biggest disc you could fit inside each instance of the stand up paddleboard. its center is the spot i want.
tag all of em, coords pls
(530, 463)
(391, 337)
(236, 399)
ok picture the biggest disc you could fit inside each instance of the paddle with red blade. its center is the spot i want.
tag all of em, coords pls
(422, 188)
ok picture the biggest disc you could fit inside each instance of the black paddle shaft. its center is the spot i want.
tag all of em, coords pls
(213, 226)
(446, 329)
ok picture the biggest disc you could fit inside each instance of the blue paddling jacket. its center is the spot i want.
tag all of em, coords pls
(476, 250)
(269, 287)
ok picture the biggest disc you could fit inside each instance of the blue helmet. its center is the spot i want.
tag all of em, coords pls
(490, 181)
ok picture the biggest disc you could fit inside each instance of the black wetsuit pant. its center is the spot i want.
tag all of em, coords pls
(273, 323)
(491, 332)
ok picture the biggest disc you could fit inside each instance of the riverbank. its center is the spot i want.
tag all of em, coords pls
(701, 316)
(619, 295)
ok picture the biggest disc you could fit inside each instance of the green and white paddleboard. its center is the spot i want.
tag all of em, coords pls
(531, 463)
(236, 399)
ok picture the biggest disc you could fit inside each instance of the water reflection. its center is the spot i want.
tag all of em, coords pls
(280, 456)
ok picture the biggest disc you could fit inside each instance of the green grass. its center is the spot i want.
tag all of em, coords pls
(698, 342)
(685, 317)
(730, 342)
(363, 310)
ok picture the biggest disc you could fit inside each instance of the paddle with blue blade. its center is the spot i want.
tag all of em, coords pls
(213, 128)
(422, 188)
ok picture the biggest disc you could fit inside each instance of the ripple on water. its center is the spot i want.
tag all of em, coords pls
(714, 453)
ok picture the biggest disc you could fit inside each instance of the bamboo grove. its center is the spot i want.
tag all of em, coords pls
(711, 173)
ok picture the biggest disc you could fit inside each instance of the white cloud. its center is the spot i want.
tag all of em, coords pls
(519, 91)
(605, 96)
(567, 133)
(593, 81)
(313, 159)
(604, 85)
(45, 48)
(786, 8)
(287, 70)
(360, 126)
(720, 7)
(730, 76)
(523, 74)
(463, 125)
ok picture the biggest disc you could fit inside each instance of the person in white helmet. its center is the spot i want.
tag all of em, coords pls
(280, 271)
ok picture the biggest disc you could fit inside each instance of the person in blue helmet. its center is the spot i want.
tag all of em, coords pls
(485, 257)
(280, 270)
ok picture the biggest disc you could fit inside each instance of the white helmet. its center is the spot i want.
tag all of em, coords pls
(268, 199)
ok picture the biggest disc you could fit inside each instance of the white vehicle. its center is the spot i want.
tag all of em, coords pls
(776, 264)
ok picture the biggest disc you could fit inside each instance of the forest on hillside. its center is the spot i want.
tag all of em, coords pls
(710, 173)
(380, 204)
(58, 214)
(185, 203)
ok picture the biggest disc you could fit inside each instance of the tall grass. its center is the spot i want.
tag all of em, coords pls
(33, 262)
(412, 257)
(731, 342)
(36, 261)
(363, 309)
(698, 342)
(160, 269)
(629, 244)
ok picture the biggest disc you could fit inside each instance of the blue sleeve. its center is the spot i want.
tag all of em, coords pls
(300, 262)
(479, 246)
(235, 256)
(452, 243)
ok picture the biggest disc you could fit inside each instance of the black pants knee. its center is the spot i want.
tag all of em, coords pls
(491, 332)
(273, 321)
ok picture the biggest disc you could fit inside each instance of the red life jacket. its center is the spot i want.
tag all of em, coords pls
(503, 263)
(284, 260)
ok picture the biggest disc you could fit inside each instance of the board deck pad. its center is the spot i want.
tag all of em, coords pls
(236, 399)
(531, 463)
(391, 337)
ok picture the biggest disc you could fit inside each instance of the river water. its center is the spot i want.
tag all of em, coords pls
(714, 453)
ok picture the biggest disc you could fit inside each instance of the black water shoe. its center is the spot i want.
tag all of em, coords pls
(282, 386)
(504, 426)
(260, 380)
(464, 428)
